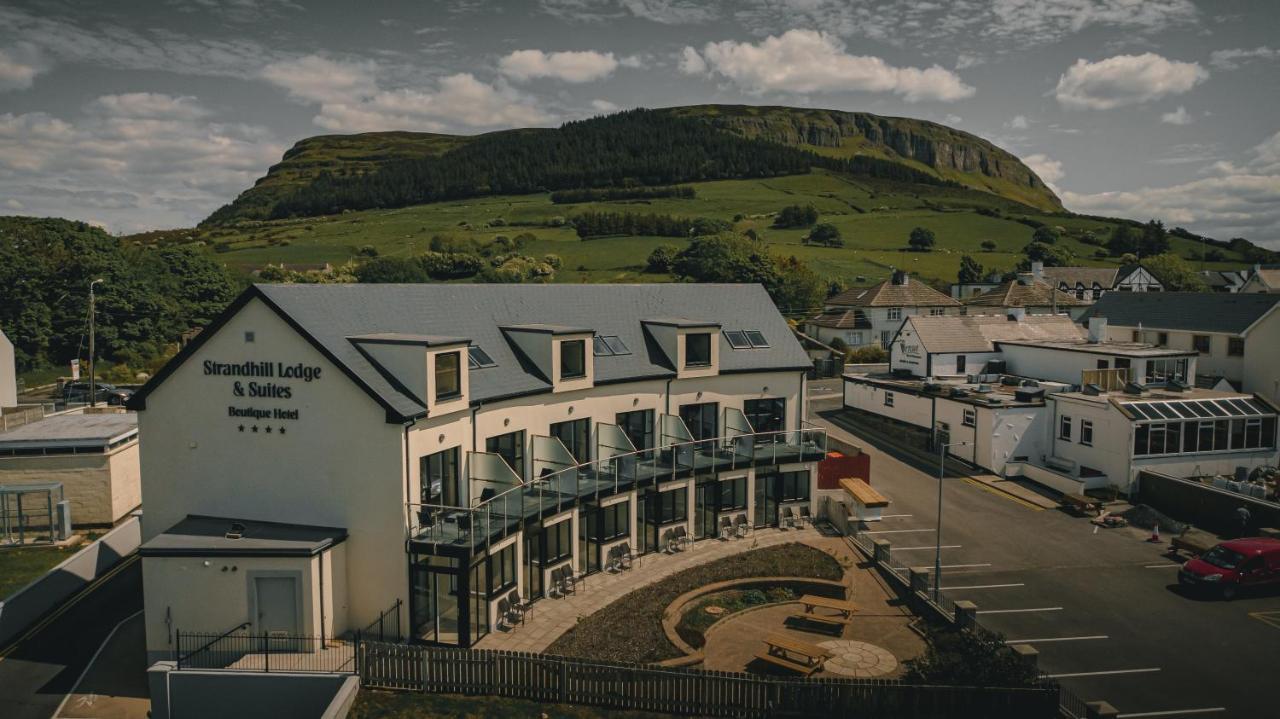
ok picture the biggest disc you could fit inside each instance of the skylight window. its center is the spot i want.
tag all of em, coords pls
(746, 339)
(477, 358)
(609, 346)
(756, 338)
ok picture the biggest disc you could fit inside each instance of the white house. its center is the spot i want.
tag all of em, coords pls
(1236, 337)
(1091, 283)
(863, 316)
(1025, 293)
(1263, 280)
(324, 453)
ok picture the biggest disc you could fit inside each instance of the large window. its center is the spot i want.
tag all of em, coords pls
(1200, 343)
(766, 415)
(510, 447)
(502, 570)
(697, 349)
(1165, 370)
(573, 359)
(557, 543)
(895, 313)
(1064, 428)
(611, 522)
(1235, 346)
(701, 419)
(448, 375)
(1217, 435)
(673, 506)
(638, 426)
(733, 494)
(793, 486)
(576, 436)
(439, 476)
(1086, 433)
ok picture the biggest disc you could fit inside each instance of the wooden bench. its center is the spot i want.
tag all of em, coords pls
(1193, 542)
(869, 502)
(1080, 503)
(838, 622)
(793, 654)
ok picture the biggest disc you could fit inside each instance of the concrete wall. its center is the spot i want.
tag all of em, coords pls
(28, 604)
(912, 409)
(8, 374)
(196, 694)
(102, 488)
(1204, 506)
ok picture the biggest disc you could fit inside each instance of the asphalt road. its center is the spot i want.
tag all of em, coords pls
(1102, 607)
(42, 666)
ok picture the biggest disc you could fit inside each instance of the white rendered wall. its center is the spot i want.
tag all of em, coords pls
(907, 408)
(8, 374)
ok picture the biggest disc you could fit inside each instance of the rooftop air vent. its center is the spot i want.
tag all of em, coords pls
(958, 392)
(1029, 394)
(1177, 385)
(984, 389)
(1010, 381)
(1092, 390)
(236, 531)
(1134, 388)
(932, 387)
(1030, 383)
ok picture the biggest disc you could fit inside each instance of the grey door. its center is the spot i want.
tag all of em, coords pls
(277, 600)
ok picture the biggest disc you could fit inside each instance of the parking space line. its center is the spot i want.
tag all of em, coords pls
(1103, 673)
(965, 566)
(1005, 495)
(1269, 618)
(983, 586)
(1162, 566)
(895, 516)
(1171, 713)
(1019, 611)
(931, 546)
(1055, 639)
(899, 531)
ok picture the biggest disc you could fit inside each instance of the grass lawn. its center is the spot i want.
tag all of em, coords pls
(404, 705)
(21, 565)
(630, 629)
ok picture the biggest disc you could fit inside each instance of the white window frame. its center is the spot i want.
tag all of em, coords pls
(1064, 427)
(1086, 432)
(970, 418)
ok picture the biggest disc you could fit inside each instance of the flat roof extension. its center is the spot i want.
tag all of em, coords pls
(204, 536)
(72, 430)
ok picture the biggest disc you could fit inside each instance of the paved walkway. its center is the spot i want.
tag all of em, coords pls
(552, 617)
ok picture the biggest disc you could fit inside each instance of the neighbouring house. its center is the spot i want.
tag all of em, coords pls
(1228, 281)
(963, 290)
(8, 374)
(322, 455)
(862, 316)
(1032, 296)
(1263, 280)
(94, 456)
(1236, 336)
(1047, 400)
(1091, 283)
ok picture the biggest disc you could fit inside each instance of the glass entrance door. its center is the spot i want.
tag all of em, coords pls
(705, 504)
(435, 609)
(766, 491)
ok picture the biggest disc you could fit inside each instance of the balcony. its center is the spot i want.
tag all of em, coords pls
(504, 503)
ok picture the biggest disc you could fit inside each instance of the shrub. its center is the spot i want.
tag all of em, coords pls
(977, 658)
(988, 245)
(367, 251)
(921, 239)
(867, 354)
(826, 234)
(796, 216)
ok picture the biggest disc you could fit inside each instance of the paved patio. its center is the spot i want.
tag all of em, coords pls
(552, 617)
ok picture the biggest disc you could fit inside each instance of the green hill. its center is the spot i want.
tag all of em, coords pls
(332, 173)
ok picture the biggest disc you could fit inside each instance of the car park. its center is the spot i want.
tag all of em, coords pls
(1234, 566)
(78, 392)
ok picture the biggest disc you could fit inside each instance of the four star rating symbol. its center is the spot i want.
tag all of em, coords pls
(254, 429)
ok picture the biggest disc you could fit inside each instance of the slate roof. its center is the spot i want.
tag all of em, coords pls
(331, 315)
(199, 535)
(1016, 294)
(1185, 311)
(850, 319)
(1104, 277)
(72, 430)
(980, 333)
(886, 294)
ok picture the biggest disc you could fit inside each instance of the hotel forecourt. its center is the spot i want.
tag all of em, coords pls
(322, 452)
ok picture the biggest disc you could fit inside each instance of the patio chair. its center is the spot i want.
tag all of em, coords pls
(741, 526)
(556, 588)
(669, 541)
(804, 515)
(625, 557)
(519, 607)
(681, 537)
(788, 519)
(726, 528)
(568, 580)
(613, 560)
(504, 615)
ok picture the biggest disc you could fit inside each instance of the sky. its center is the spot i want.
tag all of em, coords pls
(150, 114)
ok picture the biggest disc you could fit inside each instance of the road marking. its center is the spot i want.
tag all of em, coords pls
(983, 586)
(1019, 611)
(1162, 566)
(895, 516)
(1006, 495)
(1171, 712)
(1271, 618)
(931, 546)
(92, 661)
(965, 566)
(67, 605)
(833, 395)
(1105, 673)
(1055, 639)
(898, 531)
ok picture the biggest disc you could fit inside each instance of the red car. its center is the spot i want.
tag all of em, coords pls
(1233, 566)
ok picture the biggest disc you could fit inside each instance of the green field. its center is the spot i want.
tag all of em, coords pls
(874, 216)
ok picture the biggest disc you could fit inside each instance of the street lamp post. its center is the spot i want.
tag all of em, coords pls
(937, 552)
(93, 384)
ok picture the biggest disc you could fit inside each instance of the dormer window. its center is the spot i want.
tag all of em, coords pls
(448, 375)
(573, 359)
(697, 349)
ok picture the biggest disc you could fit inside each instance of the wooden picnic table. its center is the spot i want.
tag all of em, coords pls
(794, 654)
(812, 601)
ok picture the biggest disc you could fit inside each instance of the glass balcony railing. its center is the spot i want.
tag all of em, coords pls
(558, 485)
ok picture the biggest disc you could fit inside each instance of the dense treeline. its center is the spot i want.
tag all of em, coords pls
(609, 194)
(148, 298)
(632, 148)
(601, 224)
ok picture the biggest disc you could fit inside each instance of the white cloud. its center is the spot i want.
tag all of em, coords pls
(1018, 122)
(313, 78)
(569, 66)
(457, 100)
(952, 119)
(804, 61)
(1125, 80)
(149, 104)
(1233, 58)
(966, 60)
(1047, 168)
(18, 67)
(664, 12)
(1177, 117)
(691, 63)
(632, 61)
(603, 106)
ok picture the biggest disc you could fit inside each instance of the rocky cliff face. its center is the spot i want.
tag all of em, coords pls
(951, 153)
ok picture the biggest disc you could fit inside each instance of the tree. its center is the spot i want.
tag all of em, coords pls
(922, 239)
(1050, 255)
(1154, 240)
(1122, 241)
(1045, 234)
(988, 246)
(826, 234)
(970, 271)
(971, 657)
(796, 216)
(391, 269)
(661, 259)
(1174, 273)
(735, 259)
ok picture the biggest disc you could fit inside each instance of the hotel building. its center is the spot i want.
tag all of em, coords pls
(322, 453)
